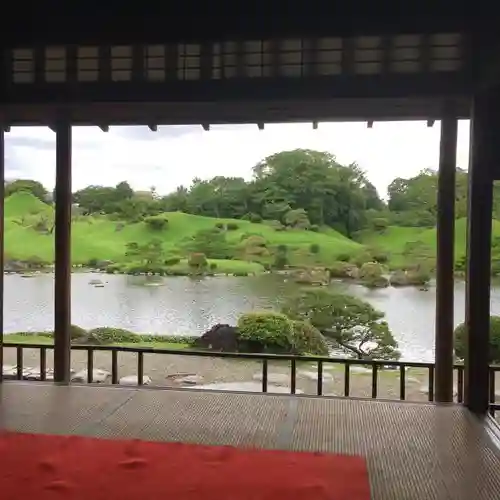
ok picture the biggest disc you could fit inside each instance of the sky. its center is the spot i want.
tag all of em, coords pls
(174, 155)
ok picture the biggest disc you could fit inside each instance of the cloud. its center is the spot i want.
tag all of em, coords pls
(175, 155)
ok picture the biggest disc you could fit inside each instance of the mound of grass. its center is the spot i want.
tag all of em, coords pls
(100, 237)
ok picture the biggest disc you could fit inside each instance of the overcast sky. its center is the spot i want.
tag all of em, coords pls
(175, 155)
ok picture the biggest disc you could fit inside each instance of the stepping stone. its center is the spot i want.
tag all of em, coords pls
(246, 387)
(327, 377)
(35, 374)
(9, 371)
(425, 390)
(360, 369)
(190, 380)
(98, 376)
(133, 380)
(274, 378)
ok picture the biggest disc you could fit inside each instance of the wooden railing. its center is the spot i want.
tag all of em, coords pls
(265, 360)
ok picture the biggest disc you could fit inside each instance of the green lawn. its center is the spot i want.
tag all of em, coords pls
(394, 238)
(104, 239)
(43, 339)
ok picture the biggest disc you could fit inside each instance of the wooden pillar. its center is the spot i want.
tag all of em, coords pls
(62, 292)
(483, 145)
(2, 231)
(445, 256)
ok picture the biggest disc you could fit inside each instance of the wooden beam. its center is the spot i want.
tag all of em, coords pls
(2, 238)
(483, 157)
(104, 128)
(240, 112)
(430, 123)
(231, 90)
(62, 279)
(260, 125)
(206, 126)
(315, 125)
(445, 260)
(210, 22)
(153, 128)
(369, 124)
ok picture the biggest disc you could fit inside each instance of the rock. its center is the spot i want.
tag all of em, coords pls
(425, 390)
(327, 377)
(35, 374)
(190, 380)
(133, 380)
(360, 369)
(95, 282)
(98, 376)
(219, 338)
(318, 276)
(246, 387)
(9, 372)
(274, 378)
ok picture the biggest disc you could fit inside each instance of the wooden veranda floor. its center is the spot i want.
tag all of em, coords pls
(414, 451)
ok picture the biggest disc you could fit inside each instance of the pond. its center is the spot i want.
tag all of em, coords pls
(185, 306)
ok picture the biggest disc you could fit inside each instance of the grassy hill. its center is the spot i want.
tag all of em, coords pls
(99, 237)
(394, 239)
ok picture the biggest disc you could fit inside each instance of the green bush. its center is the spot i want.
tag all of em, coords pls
(232, 226)
(494, 351)
(272, 331)
(343, 257)
(77, 332)
(198, 260)
(213, 266)
(110, 335)
(314, 228)
(306, 339)
(280, 261)
(220, 225)
(282, 248)
(156, 222)
(172, 261)
(314, 248)
(255, 218)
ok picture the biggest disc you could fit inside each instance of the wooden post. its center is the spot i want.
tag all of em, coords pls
(445, 256)
(62, 292)
(2, 231)
(482, 162)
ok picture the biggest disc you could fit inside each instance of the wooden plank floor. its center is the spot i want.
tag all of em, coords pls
(413, 451)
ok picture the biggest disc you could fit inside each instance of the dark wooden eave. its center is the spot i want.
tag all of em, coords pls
(146, 22)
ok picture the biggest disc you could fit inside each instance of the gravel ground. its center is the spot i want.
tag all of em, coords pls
(216, 373)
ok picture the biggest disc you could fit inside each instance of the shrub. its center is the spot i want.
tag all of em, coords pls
(219, 225)
(255, 218)
(306, 339)
(269, 330)
(77, 332)
(314, 248)
(380, 224)
(314, 228)
(92, 263)
(282, 248)
(341, 269)
(172, 261)
(110, 335)
(380, 257)
(343, 257)
(156, 222)
(213, 266)
(280, 261)
(198, 260)
(494, 347)
(232, 226)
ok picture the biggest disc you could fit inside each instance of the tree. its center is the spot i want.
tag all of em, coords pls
(352, 324)
(494, 345)
(211, 242)
(28, 186)
(149, 254)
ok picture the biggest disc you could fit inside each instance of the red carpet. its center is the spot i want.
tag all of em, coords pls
(45, 467)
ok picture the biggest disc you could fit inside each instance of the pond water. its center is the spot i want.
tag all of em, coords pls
(185, 306)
